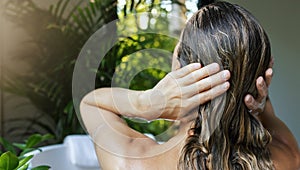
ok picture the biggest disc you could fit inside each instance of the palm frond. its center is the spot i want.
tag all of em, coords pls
(59, 32)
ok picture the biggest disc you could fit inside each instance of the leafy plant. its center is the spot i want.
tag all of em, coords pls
(56, 36)
(11, 160)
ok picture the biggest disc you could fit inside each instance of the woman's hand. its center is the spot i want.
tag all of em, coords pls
(183, 90)
(257, 106)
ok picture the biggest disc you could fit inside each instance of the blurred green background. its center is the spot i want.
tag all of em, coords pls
(55, 33)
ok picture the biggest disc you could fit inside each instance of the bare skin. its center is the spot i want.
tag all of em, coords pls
(120, 147)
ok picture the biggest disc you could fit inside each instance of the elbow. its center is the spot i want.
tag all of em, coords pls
(89, 99)
(94, 97)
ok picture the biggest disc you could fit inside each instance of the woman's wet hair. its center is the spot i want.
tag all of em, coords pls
(225, 135)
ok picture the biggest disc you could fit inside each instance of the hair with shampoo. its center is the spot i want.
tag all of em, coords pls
(225, 135)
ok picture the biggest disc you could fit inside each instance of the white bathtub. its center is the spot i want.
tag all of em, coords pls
(63, 156)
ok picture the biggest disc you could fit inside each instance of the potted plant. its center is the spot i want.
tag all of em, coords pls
(12, 159)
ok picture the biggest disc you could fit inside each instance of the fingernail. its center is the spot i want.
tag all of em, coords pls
(261, 81)
(262, 84)
(270, 72)
(226, 85)
(196, 65)
(226, 74)
(215, 67)
(248, 98)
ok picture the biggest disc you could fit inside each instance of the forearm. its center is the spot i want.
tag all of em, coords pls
(123, 102)
(276, 127)
(172, 98)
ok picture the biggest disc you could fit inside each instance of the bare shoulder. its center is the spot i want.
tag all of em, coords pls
(147, 156)
(140, 153)
(283, 157)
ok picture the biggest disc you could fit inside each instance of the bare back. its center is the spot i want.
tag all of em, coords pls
(168, 160)
(120, 147)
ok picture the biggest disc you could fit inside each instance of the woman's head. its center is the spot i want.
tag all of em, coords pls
(229, 35)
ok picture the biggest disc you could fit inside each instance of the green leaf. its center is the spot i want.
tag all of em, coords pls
(21, 146)
(43, 167)
(8, 146)
(98, 5)
(27, 150)
(8, 161)
(47, 137)
(57, 8)
(63, 9)
(33, 140)
(80, 24)
(24, 161)
(69, 108)
(84, 18)
(92, 6)
(72, 11)
(24, 167)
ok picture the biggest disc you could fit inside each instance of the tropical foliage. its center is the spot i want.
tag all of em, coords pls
(57, 35)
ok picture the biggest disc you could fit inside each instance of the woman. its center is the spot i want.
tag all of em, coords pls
(217, 130)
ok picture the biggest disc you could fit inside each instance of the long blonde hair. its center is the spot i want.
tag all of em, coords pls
(225, 135)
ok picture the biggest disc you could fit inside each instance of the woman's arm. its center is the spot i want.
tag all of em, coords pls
(284, 149)
(179, 91)
(175, 95)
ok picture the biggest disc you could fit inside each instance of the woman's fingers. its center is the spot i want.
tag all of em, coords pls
(185, 70)
(251, 103)
(269, 75)
(257, 105)
(192, 85)
(208, 95)
(206, 83)
(199, 74)
(261, 88)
